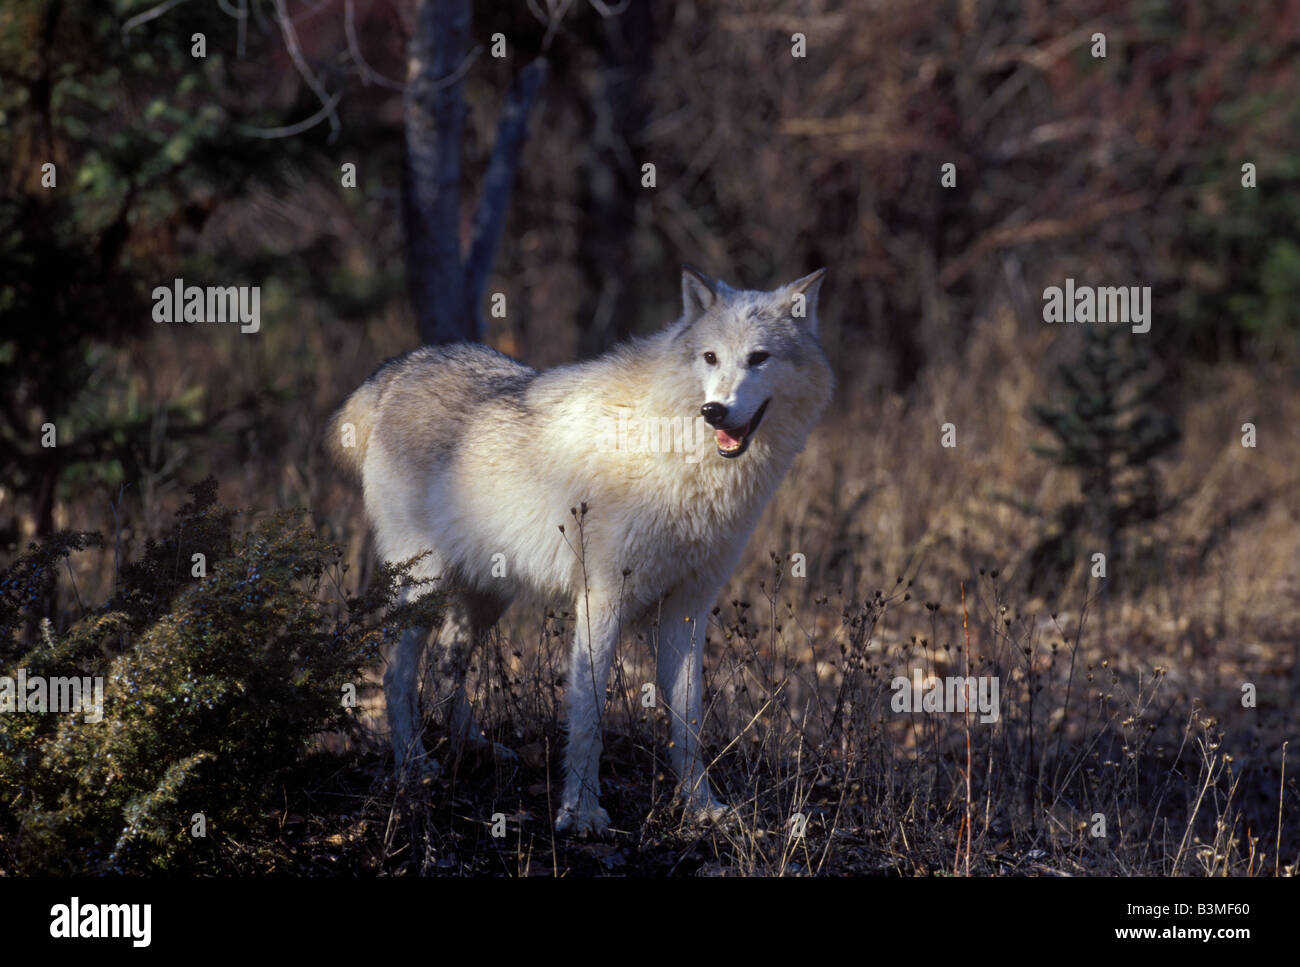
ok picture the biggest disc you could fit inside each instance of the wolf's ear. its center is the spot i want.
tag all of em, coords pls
(699, 292)
(802, 296)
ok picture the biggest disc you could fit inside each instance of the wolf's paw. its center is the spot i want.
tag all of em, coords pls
(582, 821)
(710, 812)
(706, 812)
(699, 806)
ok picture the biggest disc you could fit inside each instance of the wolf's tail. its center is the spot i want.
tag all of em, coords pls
(348, 430)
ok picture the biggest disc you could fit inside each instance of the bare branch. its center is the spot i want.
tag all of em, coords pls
(494, 203)
(295, 54)
(559, 9)
(459, 72)
(605, 10)
(368, 74)
(240, 15)
(290, 130)
(153, 13)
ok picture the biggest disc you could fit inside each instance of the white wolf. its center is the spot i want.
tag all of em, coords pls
(466, 454)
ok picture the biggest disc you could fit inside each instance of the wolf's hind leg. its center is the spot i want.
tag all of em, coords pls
(464, 633)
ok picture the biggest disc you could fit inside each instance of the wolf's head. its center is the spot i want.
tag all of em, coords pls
(755, 356)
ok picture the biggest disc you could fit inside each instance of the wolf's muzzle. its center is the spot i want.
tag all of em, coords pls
(733, 441)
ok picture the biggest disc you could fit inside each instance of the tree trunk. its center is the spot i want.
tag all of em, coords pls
(446, 289)
(613, 180)
(435, 122)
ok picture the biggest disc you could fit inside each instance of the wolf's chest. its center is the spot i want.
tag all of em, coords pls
(691, 523)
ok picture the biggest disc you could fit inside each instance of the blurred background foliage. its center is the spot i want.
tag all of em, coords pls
(1126, 168)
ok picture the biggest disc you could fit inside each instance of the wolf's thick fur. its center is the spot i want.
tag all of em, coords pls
(468, 454)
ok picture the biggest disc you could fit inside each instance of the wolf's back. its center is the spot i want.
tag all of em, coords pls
(421, 401)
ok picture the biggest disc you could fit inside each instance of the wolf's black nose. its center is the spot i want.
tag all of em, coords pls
(714, 413)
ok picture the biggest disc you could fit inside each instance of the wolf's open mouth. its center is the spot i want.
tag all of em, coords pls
(735, 441)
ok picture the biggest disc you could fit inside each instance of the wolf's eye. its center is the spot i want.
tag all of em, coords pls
(757, 358)
(711, 359)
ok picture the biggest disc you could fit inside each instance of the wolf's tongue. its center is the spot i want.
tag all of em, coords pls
(725, 439)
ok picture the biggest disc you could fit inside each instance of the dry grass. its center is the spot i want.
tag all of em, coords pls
(1126, 709)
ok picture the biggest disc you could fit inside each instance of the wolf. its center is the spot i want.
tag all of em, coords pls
(481, 464)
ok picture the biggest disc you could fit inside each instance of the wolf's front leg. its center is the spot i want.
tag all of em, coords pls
(593, 652)
(679, 667)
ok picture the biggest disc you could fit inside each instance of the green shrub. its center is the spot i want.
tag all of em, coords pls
(214, 686)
